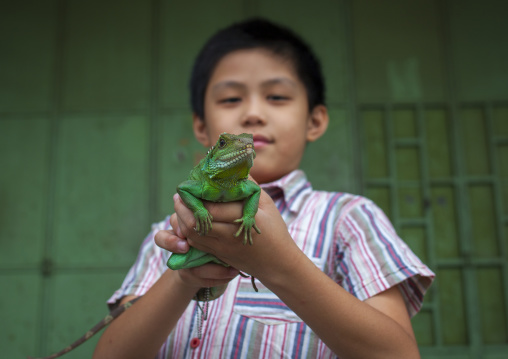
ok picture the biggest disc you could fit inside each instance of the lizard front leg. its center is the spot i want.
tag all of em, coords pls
(250, 209)
(190, 191)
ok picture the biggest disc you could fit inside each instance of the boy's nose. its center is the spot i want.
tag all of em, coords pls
(254, 114)
(253, 119)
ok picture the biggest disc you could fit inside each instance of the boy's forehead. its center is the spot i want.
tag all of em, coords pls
(257, 58)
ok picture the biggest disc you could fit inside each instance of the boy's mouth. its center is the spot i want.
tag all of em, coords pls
(260, 141)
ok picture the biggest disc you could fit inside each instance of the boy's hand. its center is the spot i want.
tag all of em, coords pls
(208, 275)
(273, 252)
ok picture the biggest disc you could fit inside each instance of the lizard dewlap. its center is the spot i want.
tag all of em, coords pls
(222, 176)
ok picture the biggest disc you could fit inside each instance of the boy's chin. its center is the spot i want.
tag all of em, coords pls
(265, 175)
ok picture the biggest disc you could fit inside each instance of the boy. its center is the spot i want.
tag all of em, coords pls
(334, 278)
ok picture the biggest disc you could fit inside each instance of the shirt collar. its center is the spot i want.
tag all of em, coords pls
(294, 187)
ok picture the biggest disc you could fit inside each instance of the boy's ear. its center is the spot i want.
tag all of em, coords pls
(318, 123)
(200, 130)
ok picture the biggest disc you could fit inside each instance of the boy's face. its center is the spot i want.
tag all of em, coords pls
(257, 92)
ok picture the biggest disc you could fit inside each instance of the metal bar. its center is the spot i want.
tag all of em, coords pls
(413, 222)
(427, 220)
(449, 263)
(498, 205)
(450, 182)
(463, 211)
(383, 182)
(392, 167)
(480, 180)
(377, 182)
(460, 188)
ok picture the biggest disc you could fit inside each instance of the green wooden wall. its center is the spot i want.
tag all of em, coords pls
(95, 134)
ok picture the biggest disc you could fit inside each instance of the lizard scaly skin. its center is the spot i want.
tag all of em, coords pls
(222, 176)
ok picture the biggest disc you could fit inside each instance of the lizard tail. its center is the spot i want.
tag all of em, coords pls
(252, 279)
(94, 330)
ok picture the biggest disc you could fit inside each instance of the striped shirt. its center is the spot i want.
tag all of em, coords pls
(347, 236)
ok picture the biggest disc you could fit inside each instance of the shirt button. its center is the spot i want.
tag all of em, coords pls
(194, 343)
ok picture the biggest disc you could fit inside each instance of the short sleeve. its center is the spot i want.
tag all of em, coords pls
(149, 266)
(371, 257)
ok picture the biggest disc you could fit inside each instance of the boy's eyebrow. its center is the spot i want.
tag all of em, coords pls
(227, 84)
(240, 85)
(279, 80)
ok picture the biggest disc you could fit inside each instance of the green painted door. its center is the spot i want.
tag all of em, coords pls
(95, 133)
(432, 111)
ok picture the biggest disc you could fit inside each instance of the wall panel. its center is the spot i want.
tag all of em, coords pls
(106, 60)
(24, 176)
(398, 51)
(20, 313)
(480, 54)
(102, 190)
(28, 42)
(184, 27)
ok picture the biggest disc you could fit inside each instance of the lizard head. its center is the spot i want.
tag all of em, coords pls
(231, 157)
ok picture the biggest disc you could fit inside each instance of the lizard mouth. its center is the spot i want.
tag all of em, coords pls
(238, 157)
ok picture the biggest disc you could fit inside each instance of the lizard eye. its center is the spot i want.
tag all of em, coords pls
(222, 143)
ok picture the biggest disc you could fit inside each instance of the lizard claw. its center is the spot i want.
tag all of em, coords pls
(246, 226)
(203, 222)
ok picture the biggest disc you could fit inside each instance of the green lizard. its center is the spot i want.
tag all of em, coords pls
(220, 177)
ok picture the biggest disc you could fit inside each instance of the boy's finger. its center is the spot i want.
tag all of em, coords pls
(167, 239)
(185, 220)
(173, 220)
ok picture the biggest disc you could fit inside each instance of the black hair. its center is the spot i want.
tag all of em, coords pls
(250, 34)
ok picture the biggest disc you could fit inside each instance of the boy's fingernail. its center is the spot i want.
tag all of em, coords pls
(182, 247)
(233, 271)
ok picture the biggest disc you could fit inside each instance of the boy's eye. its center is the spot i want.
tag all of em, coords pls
(277, 98)
(230, 100)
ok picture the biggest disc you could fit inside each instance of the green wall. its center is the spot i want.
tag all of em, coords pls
(95, 133)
